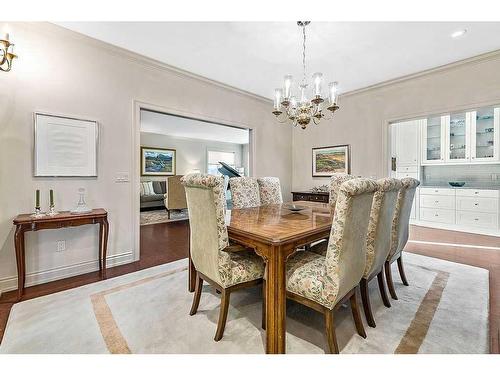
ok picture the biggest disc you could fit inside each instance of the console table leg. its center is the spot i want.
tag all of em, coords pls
(21, 268)
(101, 234)
(105, 247)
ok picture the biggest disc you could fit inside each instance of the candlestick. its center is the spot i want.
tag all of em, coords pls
(37, 199)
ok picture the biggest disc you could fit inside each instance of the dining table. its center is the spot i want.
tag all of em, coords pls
(275, 232)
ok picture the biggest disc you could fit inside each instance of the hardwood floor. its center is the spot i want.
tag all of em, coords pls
(167, 242)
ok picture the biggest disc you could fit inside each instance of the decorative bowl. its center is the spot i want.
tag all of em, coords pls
(295, 207)
(457, 183)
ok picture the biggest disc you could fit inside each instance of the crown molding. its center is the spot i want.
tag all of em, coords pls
(478, 59)
(147, 62)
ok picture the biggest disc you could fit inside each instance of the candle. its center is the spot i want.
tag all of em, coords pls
(332, 92)
(288, 85)
(37, 199)
(51, 198)
(277, 99)
(317, 77)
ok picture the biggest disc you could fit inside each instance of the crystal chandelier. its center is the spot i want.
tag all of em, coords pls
(286, 106)
(6, 53)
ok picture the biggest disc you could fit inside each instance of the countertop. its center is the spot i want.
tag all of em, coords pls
(466, 186)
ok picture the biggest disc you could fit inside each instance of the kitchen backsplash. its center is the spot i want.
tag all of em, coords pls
(477, 174)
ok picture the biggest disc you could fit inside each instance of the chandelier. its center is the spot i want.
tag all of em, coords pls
(286, 106)
(6, 53)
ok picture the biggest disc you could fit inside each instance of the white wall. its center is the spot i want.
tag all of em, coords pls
(62, 72)
(191, 153)
(362, 120)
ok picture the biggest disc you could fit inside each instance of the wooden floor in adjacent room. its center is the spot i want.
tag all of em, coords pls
(167, 242)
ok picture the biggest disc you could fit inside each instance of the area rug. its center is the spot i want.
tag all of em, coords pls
(444, 310)
(161, 216)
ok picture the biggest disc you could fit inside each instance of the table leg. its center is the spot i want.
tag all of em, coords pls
(275, 257)
(105, 246)
(101, 230)
(21, 266)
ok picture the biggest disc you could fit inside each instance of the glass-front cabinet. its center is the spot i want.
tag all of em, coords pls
(485, 134)
(433, 142)
(458, 137)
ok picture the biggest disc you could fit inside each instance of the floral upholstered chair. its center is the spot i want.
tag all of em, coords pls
(244, 192)
(325, 282)
(400, 230)
(269, 190)
(219, 264)
(336, 180)
(378, 241)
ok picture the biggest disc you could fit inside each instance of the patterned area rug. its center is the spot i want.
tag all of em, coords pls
(444, 310)
(161, 216)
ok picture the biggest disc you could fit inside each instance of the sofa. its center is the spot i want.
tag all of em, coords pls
(156, 198)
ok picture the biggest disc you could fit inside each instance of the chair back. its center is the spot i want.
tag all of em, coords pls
(270, 190)
(176, 196)
(208, 232)
(401, 220)
(346, 253)
(336, 180)
(244, 192)
(378, 240)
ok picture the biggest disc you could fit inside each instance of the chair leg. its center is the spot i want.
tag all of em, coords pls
(264, 304)
(365, 297)
(197, 295)
(333, 347)
(168, 214)
(224, 307)
(381, 287)
(390, 284)
(356, 315)
(402, 270)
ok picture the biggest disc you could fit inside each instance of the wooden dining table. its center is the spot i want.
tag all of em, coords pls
(275, 232)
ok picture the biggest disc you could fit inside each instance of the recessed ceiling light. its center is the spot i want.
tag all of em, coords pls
(458, 33)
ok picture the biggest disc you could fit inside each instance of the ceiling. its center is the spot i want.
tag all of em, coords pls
(254, 56)
(159, 123)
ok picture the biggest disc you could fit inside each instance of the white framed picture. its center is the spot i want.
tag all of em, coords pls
(65, 146)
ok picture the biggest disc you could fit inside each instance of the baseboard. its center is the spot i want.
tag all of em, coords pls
(45, 276)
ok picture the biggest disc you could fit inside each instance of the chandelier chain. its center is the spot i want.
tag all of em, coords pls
(304, 55)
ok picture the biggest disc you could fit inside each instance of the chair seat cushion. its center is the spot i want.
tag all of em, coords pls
(306, 276)
(241, 267)
(151, 197)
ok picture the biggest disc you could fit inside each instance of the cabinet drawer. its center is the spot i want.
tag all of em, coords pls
(438, 201)
(437, 215)
(477, 204)
(478, 193)
(300, 197)
(439, 191)
(477, 219)
(407, 174)
(409, 168)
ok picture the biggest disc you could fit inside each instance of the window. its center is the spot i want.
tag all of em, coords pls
(214, 157)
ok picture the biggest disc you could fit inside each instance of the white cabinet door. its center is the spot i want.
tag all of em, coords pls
(407, 143)
(458, 143)
(433, 140)
(414, 175)
(485, 134)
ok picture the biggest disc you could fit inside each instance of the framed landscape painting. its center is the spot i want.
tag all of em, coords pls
(157, 161)
(329, 160)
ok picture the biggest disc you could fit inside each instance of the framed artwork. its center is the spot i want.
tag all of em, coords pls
(65, 146)
(329, 160)
(157, 161)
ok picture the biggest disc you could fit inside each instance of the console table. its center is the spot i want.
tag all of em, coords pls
(311, 196)
(26, 222)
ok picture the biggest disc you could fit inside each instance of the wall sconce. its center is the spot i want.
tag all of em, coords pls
(6, 53)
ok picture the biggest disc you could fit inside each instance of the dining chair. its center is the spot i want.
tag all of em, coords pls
(225, 267)
(269, 190)
(244, 192)
(378, 241)
(400, 231)
(324, 283)
(336, 181)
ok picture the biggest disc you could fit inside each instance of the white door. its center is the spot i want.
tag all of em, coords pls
(458, 137)
(407, 143)
(433, 140)
(485, 134)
